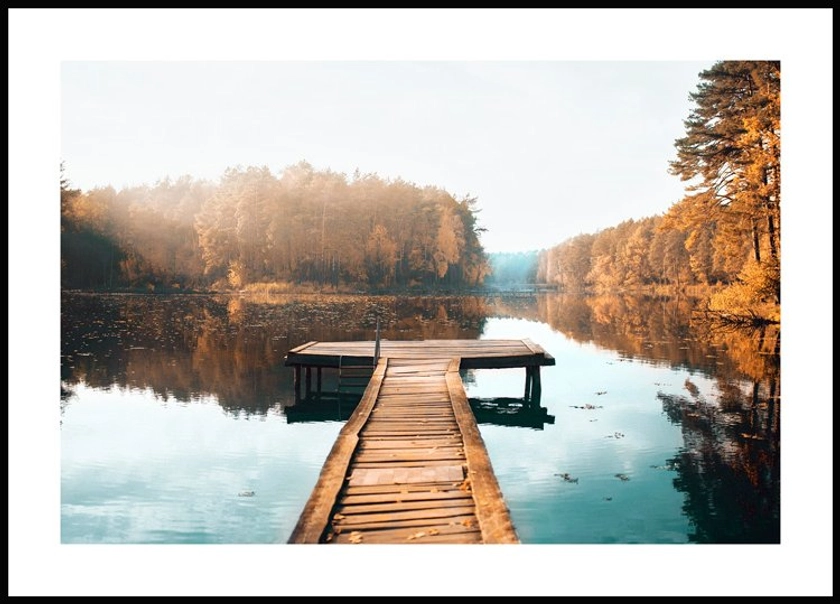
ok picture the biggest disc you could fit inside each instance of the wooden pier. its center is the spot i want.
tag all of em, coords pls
(410, 466)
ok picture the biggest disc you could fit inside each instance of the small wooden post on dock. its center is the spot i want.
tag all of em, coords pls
(376, 345)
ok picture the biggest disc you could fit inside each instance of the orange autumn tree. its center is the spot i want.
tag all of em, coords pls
(730, 155)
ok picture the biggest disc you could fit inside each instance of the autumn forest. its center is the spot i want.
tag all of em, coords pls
(317, 230)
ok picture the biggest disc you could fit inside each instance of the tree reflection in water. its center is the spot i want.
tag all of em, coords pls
(188, 347)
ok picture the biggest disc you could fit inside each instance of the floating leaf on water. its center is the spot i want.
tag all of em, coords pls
(623, 477)
(246, 493)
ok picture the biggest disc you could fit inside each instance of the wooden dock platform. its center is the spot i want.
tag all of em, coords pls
(410, 466)
(473, 354)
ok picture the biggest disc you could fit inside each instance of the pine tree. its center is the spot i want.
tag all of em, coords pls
(731, 158)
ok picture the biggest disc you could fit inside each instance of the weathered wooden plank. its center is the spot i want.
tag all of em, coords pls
(417, 445)
(437, 534)
(410, 429)
(411, 384)
(413, 420)
(391, 444)
(447, 434)
(302, 347)
(409, 454)
(491, 509)
(394, 404)
(418, 487)
(413, 431)
(419, 496)
(428, 465)
(402, 518)
(314, 519)
(346, 510)
(444, 472)
(391, 430)
(418, 426)
(423, 429)
(396, 458)
(412, 416)
(534, 348)
(408, 443)
(414, 454)
(411, 399)
(397, 400)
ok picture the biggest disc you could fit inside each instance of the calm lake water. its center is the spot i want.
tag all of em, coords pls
(179, 422)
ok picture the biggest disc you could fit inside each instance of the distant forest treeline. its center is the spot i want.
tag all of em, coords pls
(304, 227)
(724, 235)
(318, 227)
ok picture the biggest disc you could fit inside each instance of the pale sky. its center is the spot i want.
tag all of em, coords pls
(507, 112)
(550, 149)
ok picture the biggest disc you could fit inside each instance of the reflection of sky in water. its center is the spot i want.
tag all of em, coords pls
(627, 433)
(140, 469)
(137, 470)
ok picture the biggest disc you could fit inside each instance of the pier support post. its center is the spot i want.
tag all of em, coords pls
(297, 382)
(536, 386)
(528, 379)
(533, 386)
(308, 381)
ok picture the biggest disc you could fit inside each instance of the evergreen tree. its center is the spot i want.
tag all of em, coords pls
(731, 158)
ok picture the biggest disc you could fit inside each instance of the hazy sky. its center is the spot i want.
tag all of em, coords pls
(551, 149)
(507, 112)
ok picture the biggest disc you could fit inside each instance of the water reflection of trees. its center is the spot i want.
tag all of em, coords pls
(652, 328)
(728, 467)
(661, 329)
(187, 347)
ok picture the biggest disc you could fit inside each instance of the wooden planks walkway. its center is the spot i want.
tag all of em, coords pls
(410, 466)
